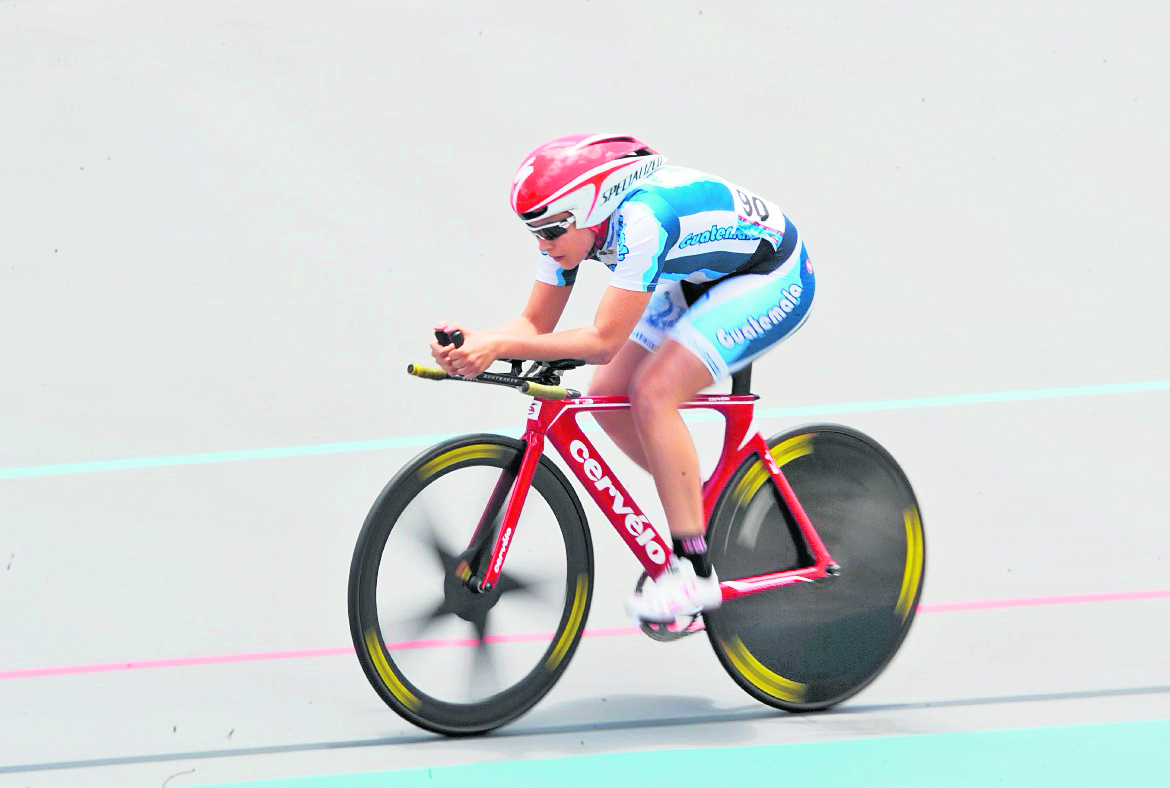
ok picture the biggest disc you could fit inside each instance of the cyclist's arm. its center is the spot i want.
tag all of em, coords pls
(541, 314)
(616, 317)
(545, 306)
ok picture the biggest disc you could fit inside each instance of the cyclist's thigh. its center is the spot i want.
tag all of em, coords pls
(670, 377)
(613, 379)
(743, 317)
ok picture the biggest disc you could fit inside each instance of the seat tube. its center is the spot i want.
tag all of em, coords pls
(738, 443)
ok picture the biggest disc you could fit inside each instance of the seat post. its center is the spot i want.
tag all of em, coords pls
(741, 382)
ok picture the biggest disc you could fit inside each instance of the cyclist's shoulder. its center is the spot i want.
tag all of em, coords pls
(671, 181)
(680, 191)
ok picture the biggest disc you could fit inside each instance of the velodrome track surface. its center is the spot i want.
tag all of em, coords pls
(225, 228)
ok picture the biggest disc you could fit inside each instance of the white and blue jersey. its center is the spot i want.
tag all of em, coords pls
(728, 270)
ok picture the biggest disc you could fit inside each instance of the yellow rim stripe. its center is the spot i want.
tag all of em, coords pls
(475, 452)
(760, 677)
(575, 615)
(912, 574)
(752, 480)
(782, 453)
(374, 649)
(789, 450)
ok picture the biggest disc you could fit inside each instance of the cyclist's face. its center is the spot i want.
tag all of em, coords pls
(572, 247)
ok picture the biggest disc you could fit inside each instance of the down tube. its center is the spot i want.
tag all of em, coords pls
(610, 495)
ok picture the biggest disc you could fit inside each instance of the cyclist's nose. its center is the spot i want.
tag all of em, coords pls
(545, 246)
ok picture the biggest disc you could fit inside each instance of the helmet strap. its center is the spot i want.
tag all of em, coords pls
(601, 231)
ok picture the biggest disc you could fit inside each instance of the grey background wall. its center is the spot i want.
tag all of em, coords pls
(227, 227)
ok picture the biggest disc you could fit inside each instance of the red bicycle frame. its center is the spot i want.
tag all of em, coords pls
(556, 422)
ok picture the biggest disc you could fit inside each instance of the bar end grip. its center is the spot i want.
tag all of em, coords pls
(426, 372)
(541, 391)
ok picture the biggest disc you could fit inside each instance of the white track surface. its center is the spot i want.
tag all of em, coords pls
(227, 227)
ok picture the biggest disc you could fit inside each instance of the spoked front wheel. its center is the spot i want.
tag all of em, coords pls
(443, 653)
(809, 646)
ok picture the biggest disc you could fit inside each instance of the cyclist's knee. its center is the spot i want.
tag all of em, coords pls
(649, 392)
(674, 377)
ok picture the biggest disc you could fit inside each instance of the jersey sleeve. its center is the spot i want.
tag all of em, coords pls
(642, 239)
(550, 273)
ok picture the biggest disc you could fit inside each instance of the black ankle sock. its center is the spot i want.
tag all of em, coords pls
(694, 549)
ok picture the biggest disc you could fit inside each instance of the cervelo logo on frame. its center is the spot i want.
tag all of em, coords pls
(637, 525)
(756, 326)
(504, 542)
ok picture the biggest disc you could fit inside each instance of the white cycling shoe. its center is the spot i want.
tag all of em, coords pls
(677, 592)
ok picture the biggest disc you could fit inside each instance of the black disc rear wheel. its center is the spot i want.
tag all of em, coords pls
(812, 645)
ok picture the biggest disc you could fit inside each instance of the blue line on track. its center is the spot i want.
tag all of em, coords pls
(420, 441)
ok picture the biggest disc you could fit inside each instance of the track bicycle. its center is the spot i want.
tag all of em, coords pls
(472, 576)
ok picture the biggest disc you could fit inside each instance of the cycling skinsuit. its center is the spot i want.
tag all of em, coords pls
(729, 273)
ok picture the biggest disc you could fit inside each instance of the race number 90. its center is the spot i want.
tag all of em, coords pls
(753, 206)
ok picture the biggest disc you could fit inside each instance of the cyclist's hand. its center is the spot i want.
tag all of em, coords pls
(475, 355)
(440, 352)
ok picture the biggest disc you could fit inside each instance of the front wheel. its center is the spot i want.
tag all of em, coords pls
(810, 646)
(444, 654)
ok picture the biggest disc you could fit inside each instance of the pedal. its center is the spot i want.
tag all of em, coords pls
(679, 628)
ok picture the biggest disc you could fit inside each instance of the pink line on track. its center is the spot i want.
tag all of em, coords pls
(1042, 601)
(188, 662)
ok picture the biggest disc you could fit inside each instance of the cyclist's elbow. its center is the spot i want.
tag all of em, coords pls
(605, 344)
(603, 358)
(606, 351)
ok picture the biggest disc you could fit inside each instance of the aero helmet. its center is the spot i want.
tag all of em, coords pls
(587, 175)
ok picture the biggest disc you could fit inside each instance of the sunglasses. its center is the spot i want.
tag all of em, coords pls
(552, 230)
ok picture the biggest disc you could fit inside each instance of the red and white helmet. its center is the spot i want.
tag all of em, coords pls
(587, 175)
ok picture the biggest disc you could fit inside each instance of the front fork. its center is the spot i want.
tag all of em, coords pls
(478, 569)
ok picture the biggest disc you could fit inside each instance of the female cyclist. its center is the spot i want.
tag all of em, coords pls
(706, 277)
